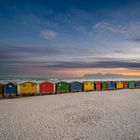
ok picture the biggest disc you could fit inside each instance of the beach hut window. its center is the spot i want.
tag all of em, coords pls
(24, 85)
(32, 85)
(59, 84)
(10, 86)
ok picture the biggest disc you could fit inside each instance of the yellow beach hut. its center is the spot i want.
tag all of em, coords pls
(119, 85)
(28, 88)
(88, 86)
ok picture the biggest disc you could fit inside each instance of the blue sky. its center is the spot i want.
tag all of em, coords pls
(69, 38)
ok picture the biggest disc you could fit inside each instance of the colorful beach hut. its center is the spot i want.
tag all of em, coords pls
(98, 86)
(2, 90)
(131, 84)
(28, 88)
(119, 84)
(111, 85)
(104, 85)
(62, 87)
(88, 86)
(46, 87)
(11, 89)
(125, 84)
(137, 84)
(76, 87)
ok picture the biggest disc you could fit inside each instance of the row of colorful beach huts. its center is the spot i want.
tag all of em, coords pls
(31, 88)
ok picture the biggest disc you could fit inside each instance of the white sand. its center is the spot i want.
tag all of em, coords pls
(110, 115)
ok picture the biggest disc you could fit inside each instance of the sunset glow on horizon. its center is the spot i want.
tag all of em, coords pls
(81, 72)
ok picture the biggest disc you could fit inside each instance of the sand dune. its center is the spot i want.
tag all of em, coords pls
(109, 115)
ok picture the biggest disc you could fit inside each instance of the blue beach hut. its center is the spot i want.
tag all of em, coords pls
(111, 85)
(76, 86)
(137, 84)
(10, 89)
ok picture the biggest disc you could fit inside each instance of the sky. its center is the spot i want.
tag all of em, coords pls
(69, 37)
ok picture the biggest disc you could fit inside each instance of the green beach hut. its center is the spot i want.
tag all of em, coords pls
(62, 87)
(104, 85)
(131, 84)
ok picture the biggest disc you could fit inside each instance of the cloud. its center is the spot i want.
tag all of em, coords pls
(97, 64)
(48, 34)
(42, 59)
(55, 56)
(79, 64)
(130, 31)
(107, 29)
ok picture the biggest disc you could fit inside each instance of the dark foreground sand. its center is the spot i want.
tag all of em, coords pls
(110, 115)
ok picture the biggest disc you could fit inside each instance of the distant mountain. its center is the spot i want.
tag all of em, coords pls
(100, 76)
(97, 76)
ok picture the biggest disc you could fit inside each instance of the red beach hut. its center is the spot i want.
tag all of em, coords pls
(98, 86)
(46, 87)
(125, 84)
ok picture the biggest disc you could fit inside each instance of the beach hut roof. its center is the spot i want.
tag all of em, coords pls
(46, 82)
(12, 83)
(75, 82)
(87, 81)
(62, 82)
(28, 82)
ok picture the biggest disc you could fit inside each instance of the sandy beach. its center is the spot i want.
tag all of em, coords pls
(108, 115)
